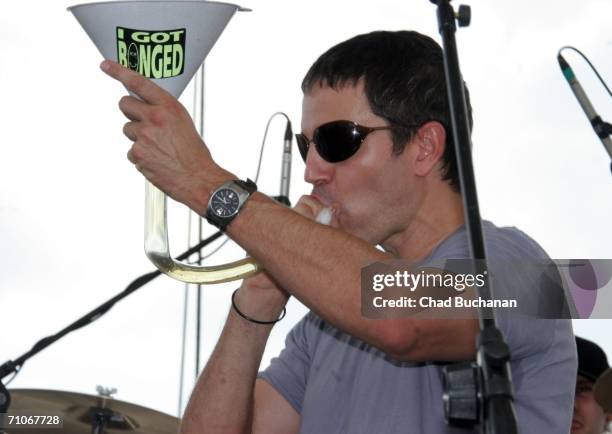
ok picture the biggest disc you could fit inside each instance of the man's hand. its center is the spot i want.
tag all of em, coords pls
(167, 149)
(310, 207)
(262, 286)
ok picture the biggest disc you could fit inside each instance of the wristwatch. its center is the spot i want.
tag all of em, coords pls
(226, 202)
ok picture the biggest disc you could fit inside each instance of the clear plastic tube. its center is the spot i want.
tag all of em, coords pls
(157, 248)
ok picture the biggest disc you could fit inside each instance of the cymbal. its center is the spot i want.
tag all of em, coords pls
(78, 413)
(603, 390)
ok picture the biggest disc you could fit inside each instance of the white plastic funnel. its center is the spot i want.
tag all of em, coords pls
(166, 41)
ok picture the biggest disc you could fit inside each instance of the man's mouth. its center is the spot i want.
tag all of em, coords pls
(576, 425)
(322, 197)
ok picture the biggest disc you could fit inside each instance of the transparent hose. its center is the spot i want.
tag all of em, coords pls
(158, 250)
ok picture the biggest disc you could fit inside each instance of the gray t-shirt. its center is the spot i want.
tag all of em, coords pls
(339, 384)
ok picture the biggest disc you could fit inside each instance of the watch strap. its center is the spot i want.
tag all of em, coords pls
(248, 185)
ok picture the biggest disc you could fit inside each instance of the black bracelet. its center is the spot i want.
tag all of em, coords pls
(256, 321)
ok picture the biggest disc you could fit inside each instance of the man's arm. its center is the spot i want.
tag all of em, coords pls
(227, 397)
(317, 264)
(321, 266)
(272, 414)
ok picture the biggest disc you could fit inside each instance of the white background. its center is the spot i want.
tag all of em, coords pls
(71, 209)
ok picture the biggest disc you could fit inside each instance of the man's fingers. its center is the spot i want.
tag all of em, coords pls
(130, 156)
(129, 130)
(312, 208)
(133, 108)
(308, 206)
(136, 83)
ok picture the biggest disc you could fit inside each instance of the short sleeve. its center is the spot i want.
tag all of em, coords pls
(543, 351)
(288, 373)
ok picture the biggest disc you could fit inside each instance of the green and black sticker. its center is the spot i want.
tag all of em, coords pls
(152, 53)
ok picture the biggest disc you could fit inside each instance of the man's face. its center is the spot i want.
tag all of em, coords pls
(589, 417)
(374, 192)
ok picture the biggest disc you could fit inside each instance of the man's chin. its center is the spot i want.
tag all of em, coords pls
(342, 221)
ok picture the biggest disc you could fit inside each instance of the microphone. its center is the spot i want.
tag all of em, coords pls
(286, 166)
(602, 129)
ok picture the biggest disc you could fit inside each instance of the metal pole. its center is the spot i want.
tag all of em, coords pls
(493, 354)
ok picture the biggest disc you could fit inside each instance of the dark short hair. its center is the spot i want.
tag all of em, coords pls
(403, 74)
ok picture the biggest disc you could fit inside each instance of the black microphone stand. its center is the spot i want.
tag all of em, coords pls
(13, 367)
(482, 392)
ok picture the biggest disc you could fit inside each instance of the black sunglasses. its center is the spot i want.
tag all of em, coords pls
(336, 141)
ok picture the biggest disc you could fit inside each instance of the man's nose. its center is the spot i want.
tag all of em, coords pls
(318, 171)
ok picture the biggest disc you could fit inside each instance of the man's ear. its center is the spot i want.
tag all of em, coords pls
(431, 142)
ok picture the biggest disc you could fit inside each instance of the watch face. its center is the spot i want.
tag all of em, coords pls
(225, 202)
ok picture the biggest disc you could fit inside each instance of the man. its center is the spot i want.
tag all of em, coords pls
(589, 417)
(379, 155)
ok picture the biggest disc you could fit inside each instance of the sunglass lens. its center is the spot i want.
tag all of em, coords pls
(337, 141)
(302, 143)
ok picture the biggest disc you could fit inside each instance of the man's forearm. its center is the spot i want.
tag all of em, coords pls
(317, 264)
(222, 399)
